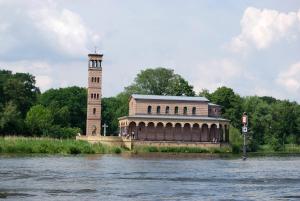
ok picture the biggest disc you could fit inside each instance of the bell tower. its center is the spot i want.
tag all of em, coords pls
(93, 122)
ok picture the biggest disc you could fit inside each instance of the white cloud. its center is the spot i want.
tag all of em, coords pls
(44, 82)
(290, 78)
(39, 26)
(261, 28)
(216, 73)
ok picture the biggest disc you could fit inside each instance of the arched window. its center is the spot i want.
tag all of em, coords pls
(91, 96)
(91, 64)
(92, 79)
(149, 109)
(97, 96)
(94, 110)
(194, 111)
(94, 96)
(176, 110)
(158, 110)
(167, 110)
(185, 110)
(98, 79)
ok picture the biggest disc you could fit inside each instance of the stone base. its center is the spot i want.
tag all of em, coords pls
(129, 143)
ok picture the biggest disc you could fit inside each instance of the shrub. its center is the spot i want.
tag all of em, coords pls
(74, 150)
(117, 150)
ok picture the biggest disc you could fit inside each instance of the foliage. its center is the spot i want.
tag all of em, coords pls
(231, 104)
(160, 81)
(39, 119)
(52, 146)
(236, 139)
(10, 119)
(67, 105)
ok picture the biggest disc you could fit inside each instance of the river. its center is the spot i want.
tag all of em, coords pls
(151, 177)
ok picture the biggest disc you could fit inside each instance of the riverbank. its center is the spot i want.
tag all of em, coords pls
(26, 145)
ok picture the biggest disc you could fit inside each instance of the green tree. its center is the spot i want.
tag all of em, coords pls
(18, 88)
(39, 120)
(68, 106)
(231, 104)
(10, 120)
(160, 81)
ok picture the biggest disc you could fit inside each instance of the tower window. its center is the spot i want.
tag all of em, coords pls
(149, 109)
(91, 96)
(94, 96)
(158, 110)
(185, 110)
(167, 110)
(94, 110)
(91, 63)
(176, 110)
(98, 79)
(194, 111)
(97, 96)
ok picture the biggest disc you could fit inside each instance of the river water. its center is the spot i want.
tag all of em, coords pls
(152, 177)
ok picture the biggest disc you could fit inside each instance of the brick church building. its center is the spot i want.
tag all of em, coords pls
(174, 118)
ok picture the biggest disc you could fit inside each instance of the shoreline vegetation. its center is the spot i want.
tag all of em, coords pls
(40, 145)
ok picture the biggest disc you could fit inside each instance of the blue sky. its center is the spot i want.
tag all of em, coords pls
(250, 46)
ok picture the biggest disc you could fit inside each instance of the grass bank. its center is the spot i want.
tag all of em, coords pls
(22, 145)
(151, 149)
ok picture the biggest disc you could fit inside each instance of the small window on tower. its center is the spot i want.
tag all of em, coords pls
(98, 79)
(91, 96)
(97, 96)
(94, 110)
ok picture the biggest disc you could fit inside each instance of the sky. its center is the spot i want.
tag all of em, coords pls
(250, 46)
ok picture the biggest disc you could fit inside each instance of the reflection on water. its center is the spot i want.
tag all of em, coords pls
(149, 177)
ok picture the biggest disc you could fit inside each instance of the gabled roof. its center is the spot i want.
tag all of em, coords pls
(172, 98)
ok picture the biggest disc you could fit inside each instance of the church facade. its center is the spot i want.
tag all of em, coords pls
(155, 120)
(174, 119)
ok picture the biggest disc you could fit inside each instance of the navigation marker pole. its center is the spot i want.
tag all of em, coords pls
(244, 131)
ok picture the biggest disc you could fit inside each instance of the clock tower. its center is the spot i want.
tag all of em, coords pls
(93, 122)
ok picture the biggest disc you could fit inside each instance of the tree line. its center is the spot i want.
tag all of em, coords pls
(61, 113)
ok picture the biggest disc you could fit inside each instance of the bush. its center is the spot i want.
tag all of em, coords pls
(62, 133)
(236, 139)
(117, 150)
(74, 150)
(275, 144)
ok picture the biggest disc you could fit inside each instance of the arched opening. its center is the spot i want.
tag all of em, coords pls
(167, 110)
(160, 131)
(141, 133)
(158, 109)
(169, 132)
(132, 129)
(186, 132)
(184, 110)
(98, 79)
(194, 111)
(92, 79)
(177, 132)
(176, 110)
(204, 133)
(94, 111)
(214, 135)
(149, 109)
(91, 96)
(151, 131)
(196, 133)
(97, 96)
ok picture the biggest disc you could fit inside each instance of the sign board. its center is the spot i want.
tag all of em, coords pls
(245, 119)
(245, 129)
